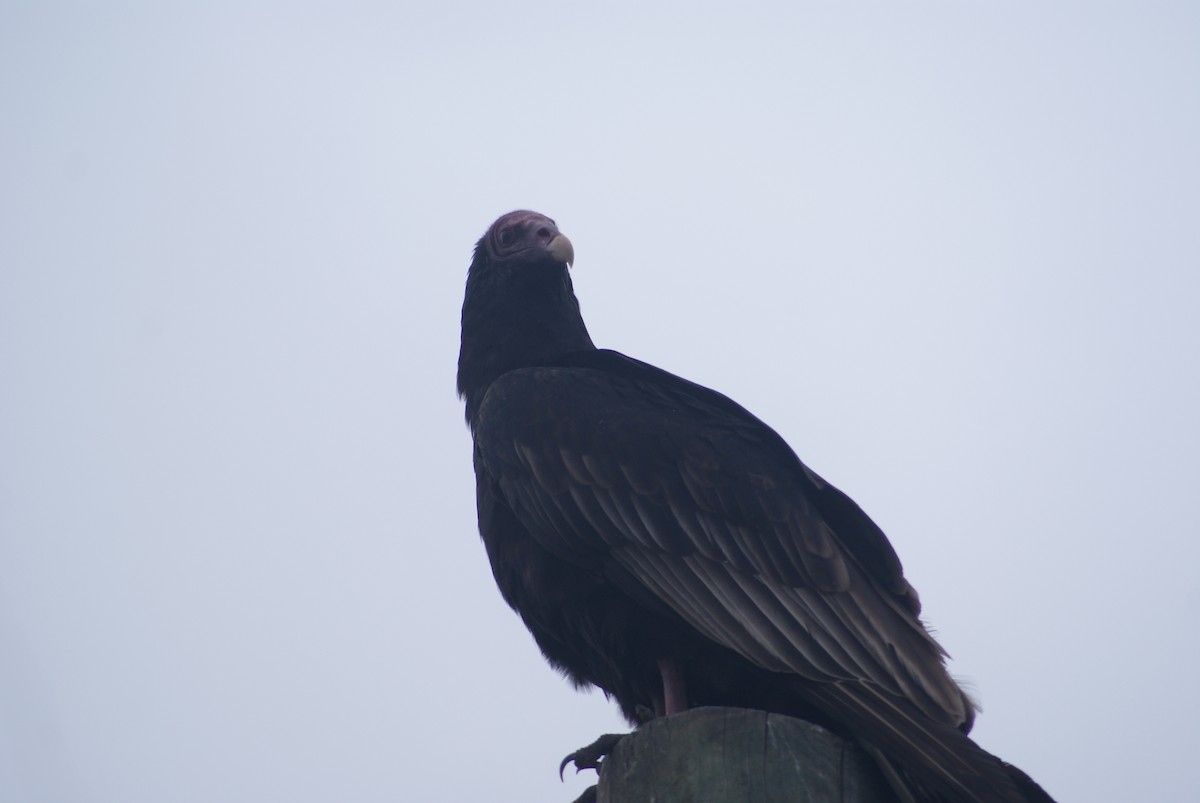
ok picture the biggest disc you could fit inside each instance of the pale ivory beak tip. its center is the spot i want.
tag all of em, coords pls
(561, 249)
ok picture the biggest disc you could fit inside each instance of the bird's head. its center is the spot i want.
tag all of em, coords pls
(524, 238)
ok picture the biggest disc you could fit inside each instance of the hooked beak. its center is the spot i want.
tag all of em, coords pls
(561, 249)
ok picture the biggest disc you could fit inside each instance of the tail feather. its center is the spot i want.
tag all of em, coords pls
(923, 760)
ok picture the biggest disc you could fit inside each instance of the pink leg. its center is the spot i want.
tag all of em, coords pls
(674, 689)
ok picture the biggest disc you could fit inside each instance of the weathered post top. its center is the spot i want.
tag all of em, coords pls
(734, 755)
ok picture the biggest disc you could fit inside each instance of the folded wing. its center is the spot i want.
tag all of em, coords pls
(603, 458)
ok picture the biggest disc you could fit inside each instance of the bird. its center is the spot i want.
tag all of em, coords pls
(663, 544)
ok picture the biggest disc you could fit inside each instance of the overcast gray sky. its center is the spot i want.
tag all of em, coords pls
(949, 252)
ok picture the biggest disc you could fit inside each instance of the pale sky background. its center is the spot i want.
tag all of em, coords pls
(949, 252)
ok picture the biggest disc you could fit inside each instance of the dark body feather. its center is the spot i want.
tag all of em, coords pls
(637, 521)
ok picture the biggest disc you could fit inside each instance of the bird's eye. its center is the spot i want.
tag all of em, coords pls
(506, 236)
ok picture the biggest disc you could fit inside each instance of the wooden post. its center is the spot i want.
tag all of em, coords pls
(733, 755)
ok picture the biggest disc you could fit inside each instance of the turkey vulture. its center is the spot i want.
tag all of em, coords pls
(663, 544)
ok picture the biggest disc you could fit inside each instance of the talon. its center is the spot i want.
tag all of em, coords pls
(590, 757)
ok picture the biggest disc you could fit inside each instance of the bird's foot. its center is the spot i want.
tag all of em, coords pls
(590, 757)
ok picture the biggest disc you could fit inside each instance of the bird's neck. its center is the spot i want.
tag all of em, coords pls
(514, 325)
